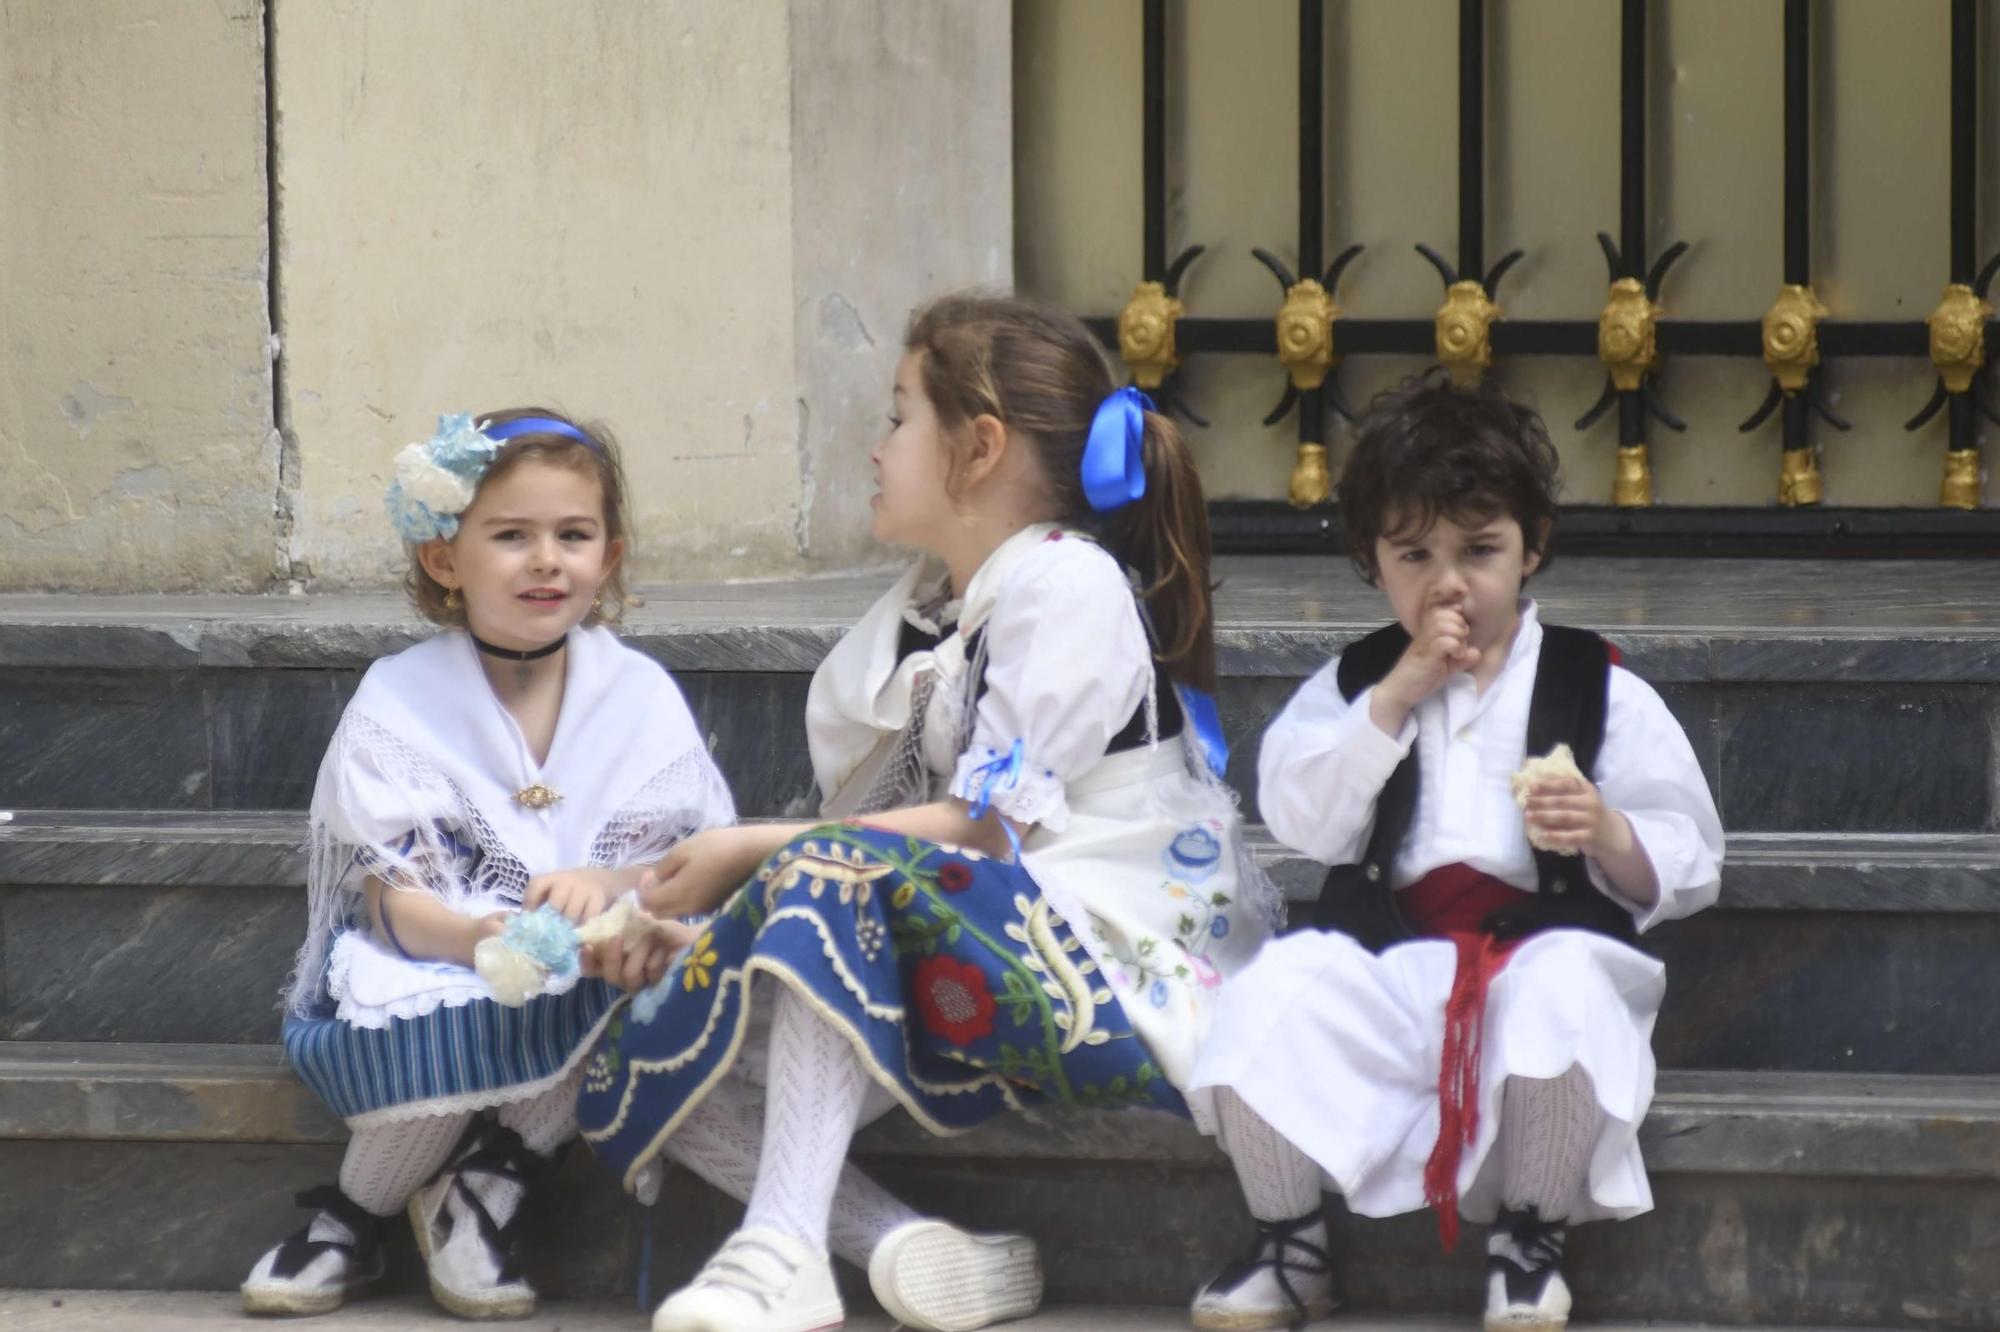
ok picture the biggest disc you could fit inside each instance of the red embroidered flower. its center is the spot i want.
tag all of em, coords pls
(953, 1000)
(954, 876)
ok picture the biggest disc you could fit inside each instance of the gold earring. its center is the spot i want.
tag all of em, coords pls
(597, 603)
(453, 601)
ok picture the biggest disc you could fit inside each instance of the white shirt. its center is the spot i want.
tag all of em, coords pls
(1324, 762)
(1067, 665)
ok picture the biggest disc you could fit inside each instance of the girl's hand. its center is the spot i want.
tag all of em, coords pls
(579, 894)
(640, 965)
(1568, 814)
(700, 872)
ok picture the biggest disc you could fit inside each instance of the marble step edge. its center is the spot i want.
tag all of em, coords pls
(1870, 872)
(756, 630)
(1702, 1121)
(220, 1311)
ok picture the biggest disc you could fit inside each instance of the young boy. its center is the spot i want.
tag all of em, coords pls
(1466, 1023)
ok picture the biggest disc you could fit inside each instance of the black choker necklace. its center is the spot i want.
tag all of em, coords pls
(514, 654)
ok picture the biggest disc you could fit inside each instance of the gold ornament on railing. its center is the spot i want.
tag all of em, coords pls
(1146, 334)
(1791, 336)
(1627, 339)
(1305, 334)
(1465, 331)
(1798, 478)
(1958, 336)
(1961, 479)
(1311, 482)
(1632, 481)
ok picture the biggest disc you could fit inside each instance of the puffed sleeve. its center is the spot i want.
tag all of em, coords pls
(1067, 665)
(1321, 769)
(1647, 771)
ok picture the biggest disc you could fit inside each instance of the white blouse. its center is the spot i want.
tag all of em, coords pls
(1067, 665)
(1324, 762)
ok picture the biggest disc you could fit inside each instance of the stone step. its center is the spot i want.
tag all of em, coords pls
(1852, 697)
(1828, 951)
(211, 1311)
(1838, 1199)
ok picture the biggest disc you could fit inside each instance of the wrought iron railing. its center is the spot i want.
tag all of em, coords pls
(1630, 336)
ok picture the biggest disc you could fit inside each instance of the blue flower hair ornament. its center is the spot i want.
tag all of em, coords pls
(436, 480)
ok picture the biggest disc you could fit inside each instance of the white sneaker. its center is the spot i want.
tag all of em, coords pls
(467, 1223)
(758, 1281)
(1286, 1280)
(1525, 1290)
(335, 1258)
(934, 1277)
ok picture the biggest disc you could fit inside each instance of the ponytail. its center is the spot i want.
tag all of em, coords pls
(1164, 537)
(1039, 370)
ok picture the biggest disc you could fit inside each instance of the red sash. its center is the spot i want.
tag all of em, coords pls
(1450, 902)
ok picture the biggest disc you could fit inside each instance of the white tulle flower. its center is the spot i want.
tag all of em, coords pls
(514, 977)
(436, 488)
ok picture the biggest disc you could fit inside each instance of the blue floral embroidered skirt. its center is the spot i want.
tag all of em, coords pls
(963, 992)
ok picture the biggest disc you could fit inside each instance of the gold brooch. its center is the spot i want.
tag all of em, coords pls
(537, 796)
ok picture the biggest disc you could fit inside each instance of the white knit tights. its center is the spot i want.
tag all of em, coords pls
(1280, 1182)
(386, 1163)
(813, 1098)
(1548, 1130)
(721, 1141)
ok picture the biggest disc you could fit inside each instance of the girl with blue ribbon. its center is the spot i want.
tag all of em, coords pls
(520, 756)
(1041, 882)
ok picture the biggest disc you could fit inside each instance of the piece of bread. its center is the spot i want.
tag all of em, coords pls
(1558, 762)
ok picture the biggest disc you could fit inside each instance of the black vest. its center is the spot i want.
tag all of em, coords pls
(1572, 679)
(1166, 703)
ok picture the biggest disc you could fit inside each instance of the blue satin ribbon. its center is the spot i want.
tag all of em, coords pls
(535, 425)
(1198, 707)
(1114, 456)
(1000, 774)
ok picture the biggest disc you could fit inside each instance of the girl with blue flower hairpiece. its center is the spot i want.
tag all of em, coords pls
(1041, 881)
(524, 755)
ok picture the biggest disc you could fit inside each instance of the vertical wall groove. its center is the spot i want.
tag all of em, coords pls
(283, 574)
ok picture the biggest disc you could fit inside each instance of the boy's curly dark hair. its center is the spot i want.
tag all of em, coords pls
(1429, 448)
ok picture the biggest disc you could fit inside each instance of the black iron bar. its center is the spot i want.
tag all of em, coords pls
(1312, 184)
(1154, 136)
(1471, 139)
(1964, 139)
(1798, 144)
(1546, 337)
(1795, 422)
(1632, 187)
(1312, 127)
(1962, 426)
(1632, 139)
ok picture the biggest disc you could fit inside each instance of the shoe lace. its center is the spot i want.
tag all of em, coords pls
(497, 1153)
(1279, 1238)
(300, 1249)
(1539, 1242)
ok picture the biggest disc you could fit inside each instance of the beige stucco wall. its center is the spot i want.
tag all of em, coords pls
(584, 205)
(902, 187)
(701, 223)
(1552, 136)
(136, 447)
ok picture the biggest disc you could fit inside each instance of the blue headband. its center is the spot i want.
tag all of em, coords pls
(1114, 457)
(536, 425)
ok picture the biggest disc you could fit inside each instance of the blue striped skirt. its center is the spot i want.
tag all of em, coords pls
(961, 991)
(473, 1055)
